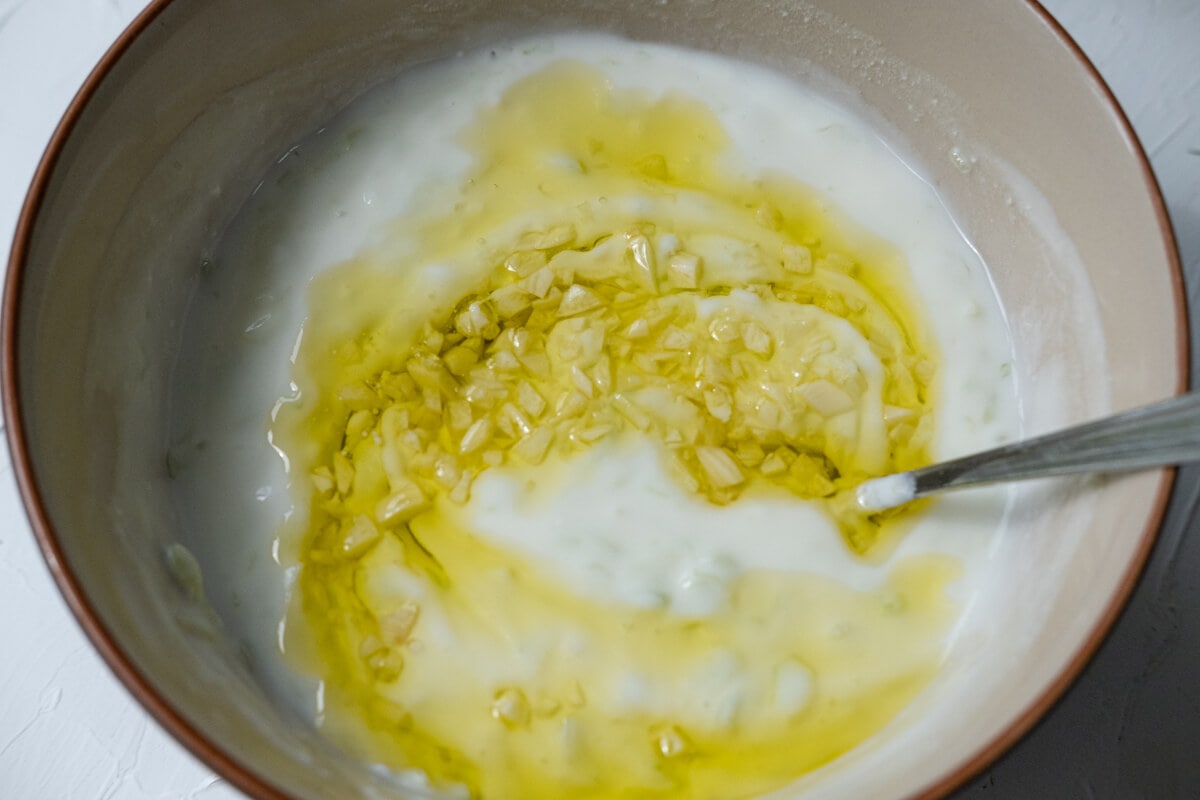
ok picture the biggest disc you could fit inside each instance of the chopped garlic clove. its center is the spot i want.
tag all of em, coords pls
(359, 424)
(825, 398)
(636, 416)
(403, 504)
(459, 360)
(642, 256)
(525, 263)
(358, 396)
(360, 536)
(556, 236)
(386, 664)
(582, 382)
(773, 465)
(479, 434)
(446, 471)
(322, 479)
(670, 741)
(530, 399)
(578, 300)
(719, 467)
(675, 339)
(724, 329)
(719, 403)
(570, 404)
(533, 448)
(594, 433)
(798, 259)
(461, 493)
(838, 262)
(638, 329)
(516, 422)
(511, 301)
(459, 416)
(683, 271)
(397, 627)
(475, 319)
(756, 338)
(511, 707)
(539, 283)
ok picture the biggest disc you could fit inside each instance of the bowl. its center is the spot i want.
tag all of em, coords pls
(193, 103)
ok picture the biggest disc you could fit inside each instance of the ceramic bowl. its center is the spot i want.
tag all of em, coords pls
(195, 101)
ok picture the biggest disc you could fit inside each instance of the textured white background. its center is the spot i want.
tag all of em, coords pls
(1128, 729)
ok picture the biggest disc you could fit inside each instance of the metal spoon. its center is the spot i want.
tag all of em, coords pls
(1157, 435)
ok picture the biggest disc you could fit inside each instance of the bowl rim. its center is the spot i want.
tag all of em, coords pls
(253, 784)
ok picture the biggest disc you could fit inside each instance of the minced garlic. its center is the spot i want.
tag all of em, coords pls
(604, 274)
(763, 382)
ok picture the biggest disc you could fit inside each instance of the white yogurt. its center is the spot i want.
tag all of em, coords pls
(335, 194)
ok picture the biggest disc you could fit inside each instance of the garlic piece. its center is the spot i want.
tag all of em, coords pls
(556, 236)
(578, 300)
(530, 399)
(798, 259)
(479, 434)
(644, 262)
(756, 338)
(533, 448)
(511, 708)
(397, 627)
(719, 467)
(683, 271)
(825, 398)
(404, 503)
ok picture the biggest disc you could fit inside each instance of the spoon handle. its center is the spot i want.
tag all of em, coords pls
(1157, 435)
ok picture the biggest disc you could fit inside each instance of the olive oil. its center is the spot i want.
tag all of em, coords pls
(606, 272)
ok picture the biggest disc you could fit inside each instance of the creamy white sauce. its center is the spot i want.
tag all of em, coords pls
(334, 195)
(612, 524)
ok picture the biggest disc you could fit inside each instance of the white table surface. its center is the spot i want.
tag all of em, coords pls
(1128, 729)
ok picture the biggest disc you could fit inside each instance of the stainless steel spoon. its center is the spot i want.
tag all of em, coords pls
(1157, 435)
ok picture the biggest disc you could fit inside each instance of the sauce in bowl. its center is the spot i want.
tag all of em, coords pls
(574, 348)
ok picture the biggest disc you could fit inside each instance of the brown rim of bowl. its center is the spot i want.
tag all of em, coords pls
(250, 782)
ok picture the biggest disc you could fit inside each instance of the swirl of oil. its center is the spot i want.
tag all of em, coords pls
(604, 272)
